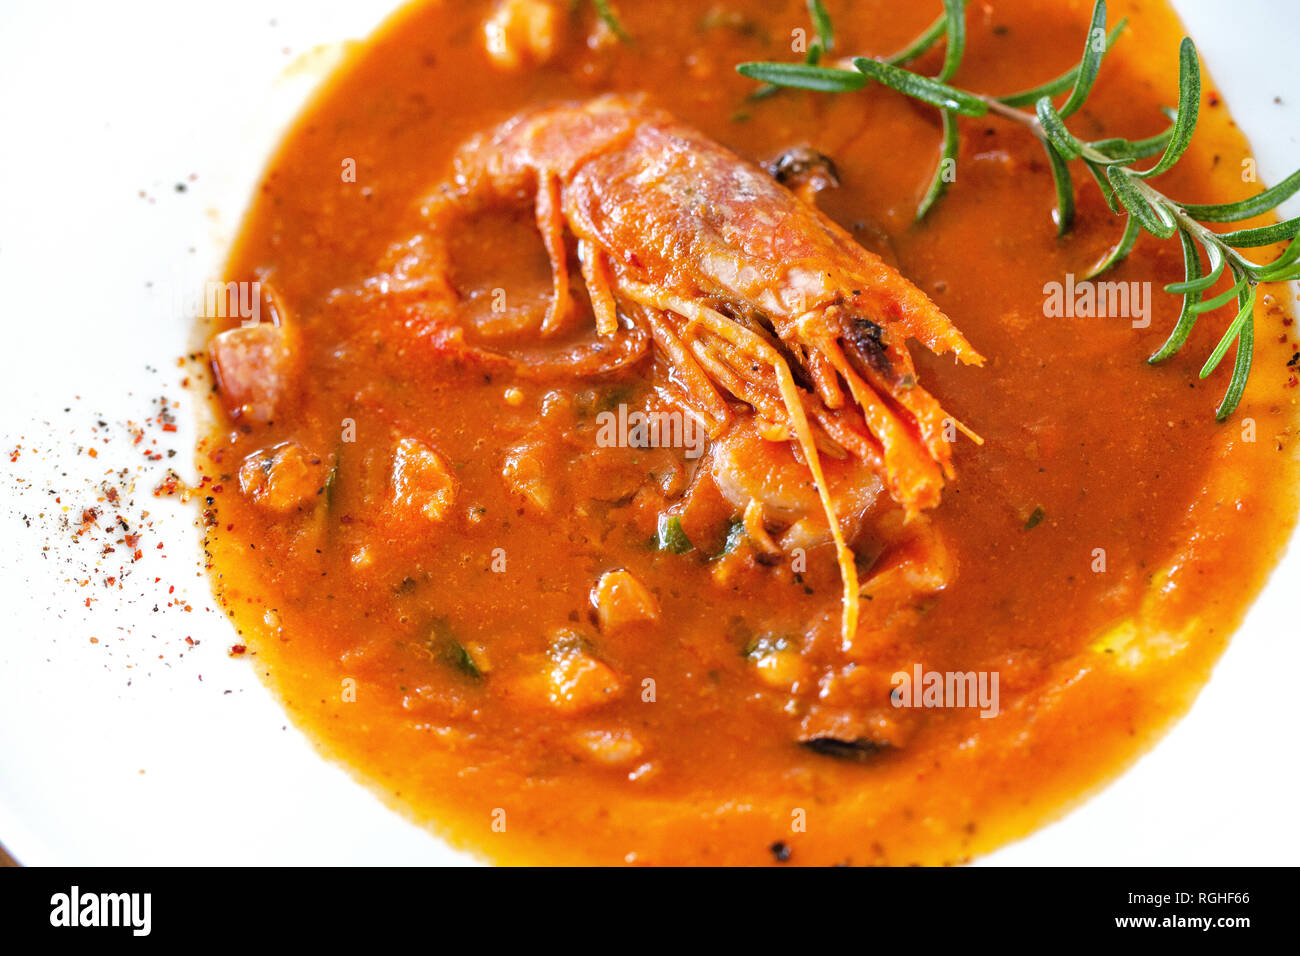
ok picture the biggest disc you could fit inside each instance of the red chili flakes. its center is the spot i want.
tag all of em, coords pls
(170, 485)
(237, 649)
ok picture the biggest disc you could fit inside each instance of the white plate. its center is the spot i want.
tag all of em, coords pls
(142, 749)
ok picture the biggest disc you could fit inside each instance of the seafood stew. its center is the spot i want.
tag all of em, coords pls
(618, 472)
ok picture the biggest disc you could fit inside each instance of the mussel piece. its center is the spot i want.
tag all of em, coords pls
(803, 169)
(860, 749)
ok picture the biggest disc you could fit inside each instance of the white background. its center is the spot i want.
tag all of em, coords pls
(100, 102)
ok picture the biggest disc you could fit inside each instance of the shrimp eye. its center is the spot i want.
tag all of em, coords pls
(867, 341)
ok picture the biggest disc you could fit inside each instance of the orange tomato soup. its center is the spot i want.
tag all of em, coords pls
(553, 649)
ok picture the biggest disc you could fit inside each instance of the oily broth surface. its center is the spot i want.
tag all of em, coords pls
(1117, 456)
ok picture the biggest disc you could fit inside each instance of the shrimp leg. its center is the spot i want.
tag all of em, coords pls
(550, 222)
(754, 345)
(595, 273)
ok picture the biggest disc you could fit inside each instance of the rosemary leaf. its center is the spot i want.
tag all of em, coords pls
(939, 183)
(921, 45)
(1124, 150)
(1247, 302)
(1247, 208)
(1189, 108)
(1064, 211)
(1107, 192)
(1090, 64)
(1187, 319)
(1219, 301)
(922, 88)
(822, 24)
(954, 13)
(1118, 252)
(1156, 221)
(606, 13)
(1054, 126)
(1240, 370)
(1207, 281)
(1282, 266)
(1263, 236)
(805, 76)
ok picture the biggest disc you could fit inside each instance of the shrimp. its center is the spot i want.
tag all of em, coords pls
(746, 288)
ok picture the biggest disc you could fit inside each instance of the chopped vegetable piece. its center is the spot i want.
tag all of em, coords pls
(777, 661)
(572, 679)
(443, 644)
(735, 535)
(284, 478)
(422, 483)
(521, 33)
(613, 748)
(620, 599)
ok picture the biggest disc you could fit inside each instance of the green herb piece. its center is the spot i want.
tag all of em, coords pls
(804, 76)
(947, 157)
(671, 536)
(922, 87)
(443, 644)
(606, 12)
(735, 535)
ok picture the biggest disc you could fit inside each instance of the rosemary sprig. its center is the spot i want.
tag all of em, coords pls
(1112, 164)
